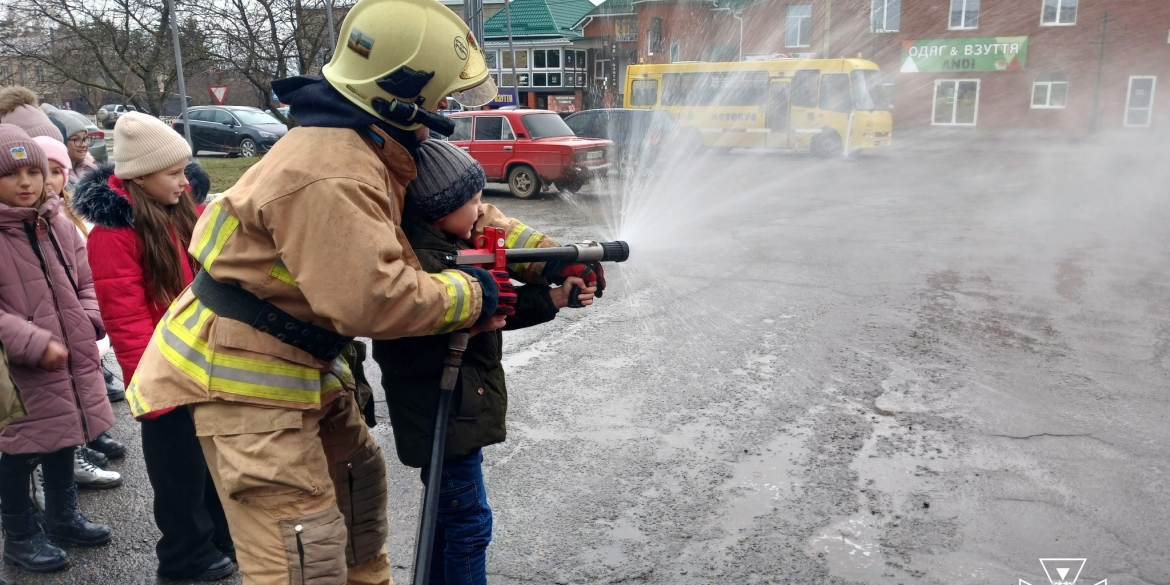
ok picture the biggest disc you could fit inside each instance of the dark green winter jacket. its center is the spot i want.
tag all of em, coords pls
(411, 367)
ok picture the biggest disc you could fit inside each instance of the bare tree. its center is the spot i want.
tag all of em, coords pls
(265, 40)
(118, 46)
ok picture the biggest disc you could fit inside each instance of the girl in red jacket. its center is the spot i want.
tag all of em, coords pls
(49, 324)
(144, 215)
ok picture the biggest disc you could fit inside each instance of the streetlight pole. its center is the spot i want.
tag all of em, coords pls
(179, 71)
(332, 35)
(512, 53)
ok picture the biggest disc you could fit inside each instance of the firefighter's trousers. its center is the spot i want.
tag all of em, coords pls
(304, 491)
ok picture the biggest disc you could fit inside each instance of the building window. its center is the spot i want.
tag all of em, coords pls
(1050, 90)
(674, 50)
(956, 102)
(521, 59)
(546, 59)
(964, 13)
(887, 15)
(489, 57)
(1139, 104)
(539, 80)
(654, 37)
(798, 28)
(625, 31)
(554, 79)
(1059, 12)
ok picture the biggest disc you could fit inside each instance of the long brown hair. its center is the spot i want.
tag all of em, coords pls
(66, 196)
(154, 223)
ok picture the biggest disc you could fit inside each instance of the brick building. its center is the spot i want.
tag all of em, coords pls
(544, 67)
(988, 64)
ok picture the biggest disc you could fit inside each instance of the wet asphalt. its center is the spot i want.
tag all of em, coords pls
(934, 364)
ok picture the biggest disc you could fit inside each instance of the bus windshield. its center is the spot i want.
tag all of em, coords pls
(871, 91)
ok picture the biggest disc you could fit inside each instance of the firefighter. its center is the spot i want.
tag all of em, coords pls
(302, 254)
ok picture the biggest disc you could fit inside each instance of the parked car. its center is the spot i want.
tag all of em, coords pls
(640, 136)
(236, 130)
(530, 149)
(97, 143)
(108, 115)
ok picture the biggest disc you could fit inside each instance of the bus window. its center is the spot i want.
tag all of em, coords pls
(743, 88)
(835, 95)
(644, 92)
(871, 90)
(804, 88)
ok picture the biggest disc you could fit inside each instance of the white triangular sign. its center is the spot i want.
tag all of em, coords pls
(909, 66)
(219, 93)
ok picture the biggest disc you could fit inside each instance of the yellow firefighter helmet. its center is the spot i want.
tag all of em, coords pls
(412, 52)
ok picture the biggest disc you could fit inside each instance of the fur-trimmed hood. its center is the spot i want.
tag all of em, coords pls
(99, 197)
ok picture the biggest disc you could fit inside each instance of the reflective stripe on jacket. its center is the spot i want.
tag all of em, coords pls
(314, 229)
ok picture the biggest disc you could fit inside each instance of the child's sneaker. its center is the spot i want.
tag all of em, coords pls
(91, 477)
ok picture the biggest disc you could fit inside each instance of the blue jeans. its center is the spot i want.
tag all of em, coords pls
(465, 524)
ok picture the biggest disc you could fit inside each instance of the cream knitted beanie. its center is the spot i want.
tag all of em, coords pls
(144, 145)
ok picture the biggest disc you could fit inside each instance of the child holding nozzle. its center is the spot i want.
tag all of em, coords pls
(442, 210)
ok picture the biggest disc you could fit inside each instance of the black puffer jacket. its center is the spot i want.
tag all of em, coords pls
(411, 367)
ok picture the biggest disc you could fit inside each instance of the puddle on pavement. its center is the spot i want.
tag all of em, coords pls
(761, 483)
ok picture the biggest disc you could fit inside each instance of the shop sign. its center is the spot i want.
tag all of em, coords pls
(501, 100)
(947, 55)
(562, 103)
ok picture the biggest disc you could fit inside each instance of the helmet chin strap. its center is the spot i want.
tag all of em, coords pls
(407, 114)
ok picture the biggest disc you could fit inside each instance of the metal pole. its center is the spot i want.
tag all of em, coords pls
(1100, 64)
(515, 78)
(179, 70)
(332, 35)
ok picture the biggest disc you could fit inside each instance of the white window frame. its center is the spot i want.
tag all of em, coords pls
(934, 103)
(675, 51)
(885, 16)
(1059, 4)
(963, 15)
(1129, 94)
(789, 17)
(1048, 101)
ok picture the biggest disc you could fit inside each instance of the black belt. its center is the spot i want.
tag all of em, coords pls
(237, 304)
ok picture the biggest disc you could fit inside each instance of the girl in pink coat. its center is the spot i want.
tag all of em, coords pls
(49, 325)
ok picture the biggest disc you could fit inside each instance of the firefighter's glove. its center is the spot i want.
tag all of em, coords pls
(507, 293)
(490, 292)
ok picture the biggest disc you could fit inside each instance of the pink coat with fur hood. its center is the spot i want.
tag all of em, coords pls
(43, 297)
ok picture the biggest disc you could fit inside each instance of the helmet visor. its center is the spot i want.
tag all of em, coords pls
(477, 96)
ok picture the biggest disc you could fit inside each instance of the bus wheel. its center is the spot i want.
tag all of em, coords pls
(827, 144)
(523, 182)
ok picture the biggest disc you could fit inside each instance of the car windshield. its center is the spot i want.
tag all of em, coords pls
(547, 125)
(254, 117)
(871, 90)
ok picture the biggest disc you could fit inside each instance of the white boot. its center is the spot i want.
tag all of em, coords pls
(91, 477)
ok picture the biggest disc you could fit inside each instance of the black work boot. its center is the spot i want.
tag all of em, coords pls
(64, 522)
(114, 390)
(106, 445)
(25, 544)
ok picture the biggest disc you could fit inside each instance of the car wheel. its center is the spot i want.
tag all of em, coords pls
(247, 148)
(523, 182)
(827, 144)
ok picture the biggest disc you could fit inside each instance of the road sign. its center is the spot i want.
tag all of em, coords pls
(218, 93)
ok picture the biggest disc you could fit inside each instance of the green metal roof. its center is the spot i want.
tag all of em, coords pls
(538, 18)
(613, 7)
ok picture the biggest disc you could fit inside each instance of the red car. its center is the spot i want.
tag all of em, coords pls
(529, 149)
